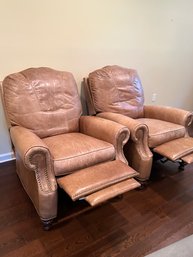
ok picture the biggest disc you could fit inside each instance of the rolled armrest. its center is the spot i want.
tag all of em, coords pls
(35, 155)
(106, 130)
(137, 129)
(170, 114)
(136, 150)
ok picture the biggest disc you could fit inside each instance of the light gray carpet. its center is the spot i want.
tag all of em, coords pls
(182, 248)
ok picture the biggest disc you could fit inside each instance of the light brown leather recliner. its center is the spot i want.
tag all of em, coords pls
(55, 145)
(116, 93)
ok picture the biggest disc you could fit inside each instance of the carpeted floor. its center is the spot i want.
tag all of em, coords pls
(181, 248)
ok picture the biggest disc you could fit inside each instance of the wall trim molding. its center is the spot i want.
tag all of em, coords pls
(5, 157)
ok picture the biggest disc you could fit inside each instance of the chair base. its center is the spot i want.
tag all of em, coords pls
(47, 224)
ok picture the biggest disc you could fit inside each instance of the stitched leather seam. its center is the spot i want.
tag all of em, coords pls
(36, 169)
(99, 198)
(90, 190)
(163, 133)
(63, 159)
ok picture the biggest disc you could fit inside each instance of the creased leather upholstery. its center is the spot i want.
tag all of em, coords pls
(176, 149)
(117, 90)
(50, 138)
(74, 151)
(47, 106)
(167, 113)
(136, 150)
(90, 180)
(35, 170)
(164, 132)
(116, 93)
(114, 190)
(107, 131)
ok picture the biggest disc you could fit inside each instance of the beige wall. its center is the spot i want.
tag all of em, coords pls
(153, 36)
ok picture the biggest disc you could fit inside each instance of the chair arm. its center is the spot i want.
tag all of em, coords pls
(170, 114)
(106, 130)
(137, 129)
(136, 150)
(35, 155)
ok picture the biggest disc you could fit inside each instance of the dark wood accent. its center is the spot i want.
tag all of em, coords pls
(182, 165)
(47, 224)
(139, 223)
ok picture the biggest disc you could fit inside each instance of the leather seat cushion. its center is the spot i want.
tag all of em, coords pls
(74, 151)
(162, 131)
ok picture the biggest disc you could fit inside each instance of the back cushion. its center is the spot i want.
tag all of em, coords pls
(117, 89)
(43, 100)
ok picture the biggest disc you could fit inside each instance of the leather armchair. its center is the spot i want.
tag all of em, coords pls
(56, 146)
(116, 93)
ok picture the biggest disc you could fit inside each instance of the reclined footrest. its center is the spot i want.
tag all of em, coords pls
(100, 182)
(188, 158)
(181, 148)
(112, 191)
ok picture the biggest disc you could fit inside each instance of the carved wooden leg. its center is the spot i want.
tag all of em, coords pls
(47, 224)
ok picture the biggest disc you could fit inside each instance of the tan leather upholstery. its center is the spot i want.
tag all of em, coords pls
(47, 106)
(176, 149)
(188, 158)
(190, 130)
(87, 181)
(116, 93)
(69, 153)
(114, 190)
(167, 113)
(110, 132)
(136, 150)
(166, 131)
(50, 138)
(118, 90)
(35, 170)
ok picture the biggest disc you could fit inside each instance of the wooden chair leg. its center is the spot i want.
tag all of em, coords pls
(47, 224)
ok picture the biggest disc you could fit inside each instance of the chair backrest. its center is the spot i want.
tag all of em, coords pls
(116, 89)
(43, 100)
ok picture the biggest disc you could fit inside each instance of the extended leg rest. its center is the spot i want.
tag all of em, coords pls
(99, 183)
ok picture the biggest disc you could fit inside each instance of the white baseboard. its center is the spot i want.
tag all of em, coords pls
(7, 157)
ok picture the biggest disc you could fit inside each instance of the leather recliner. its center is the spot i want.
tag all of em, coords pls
(54, 145)
(116, 93)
